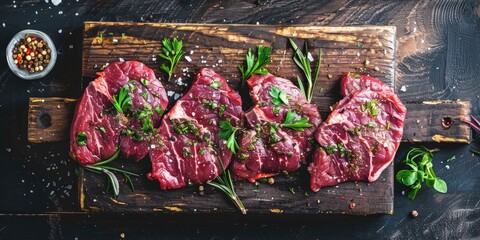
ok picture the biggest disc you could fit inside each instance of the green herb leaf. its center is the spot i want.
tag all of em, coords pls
(215, 85)
(122, 101)
(372, 106)
(227, 132)
(407, 177)
(303, 62)
(81, 139)
(440, 185)
(144, 82)
(299, 125)
(255, 67)
(278, 97)
(172, 52)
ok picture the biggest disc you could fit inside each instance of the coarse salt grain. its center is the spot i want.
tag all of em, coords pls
(188, 59)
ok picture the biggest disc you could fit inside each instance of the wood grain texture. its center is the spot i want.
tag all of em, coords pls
(437, 121)
(49, 119)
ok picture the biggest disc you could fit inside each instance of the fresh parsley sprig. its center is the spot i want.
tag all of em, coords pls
(278, 96)
(225, 184)
(290, 122)
(420, 161)
(172, 52)
(255, 67)
(122, 101)
(303, 62)
(227, 132)
(102, 167)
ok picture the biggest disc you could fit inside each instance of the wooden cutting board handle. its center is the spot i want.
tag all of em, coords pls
(49, 119)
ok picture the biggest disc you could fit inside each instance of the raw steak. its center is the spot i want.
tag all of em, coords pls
(98, 129)
(361, 135)
(353, 81)
(268, 147)
(189, 147)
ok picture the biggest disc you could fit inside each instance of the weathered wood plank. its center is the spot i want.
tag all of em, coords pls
(49, 119)
(288, 195)
(437, 121)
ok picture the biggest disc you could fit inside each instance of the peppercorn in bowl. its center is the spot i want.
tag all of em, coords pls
(31, 54)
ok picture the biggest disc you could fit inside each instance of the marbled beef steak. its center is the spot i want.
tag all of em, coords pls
(361, 135)
(269, 146)
(98, 129)
(189, 147)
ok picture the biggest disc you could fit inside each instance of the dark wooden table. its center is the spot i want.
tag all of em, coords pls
(438, 50)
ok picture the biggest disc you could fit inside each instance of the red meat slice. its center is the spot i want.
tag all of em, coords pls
(189, 148)
(105, 129)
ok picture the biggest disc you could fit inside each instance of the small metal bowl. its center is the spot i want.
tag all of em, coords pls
(25, 74)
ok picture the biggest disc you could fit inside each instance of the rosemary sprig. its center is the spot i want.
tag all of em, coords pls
(263, 57)
(299, 125)
(172, 52)
(303, 62)
(122, 101)
(227, 132)
(225, 184)
(102, 167)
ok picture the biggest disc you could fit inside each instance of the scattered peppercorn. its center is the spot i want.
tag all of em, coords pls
(31, 54)
(352, 205)
(271, 181)
(414, 213)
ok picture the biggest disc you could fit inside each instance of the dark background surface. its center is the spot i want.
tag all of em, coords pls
(438, 49)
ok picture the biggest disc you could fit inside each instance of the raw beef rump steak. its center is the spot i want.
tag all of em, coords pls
(361, 135)
(99, 129)
(272, 144)
(189, 148)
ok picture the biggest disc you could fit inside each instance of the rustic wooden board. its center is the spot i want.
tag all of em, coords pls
(223, 47)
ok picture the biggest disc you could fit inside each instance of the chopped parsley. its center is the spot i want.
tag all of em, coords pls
(278, 96)
(144, 82)
(290, 122)
(215, 85)
(81, 139)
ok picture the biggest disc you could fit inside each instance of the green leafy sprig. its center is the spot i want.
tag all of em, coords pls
(227, 132)
(122, 101)
(421, 170)
(225, 184)
(102, 167)
(290, 122)
(172, 52)
(255, 67)
(303, 62)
